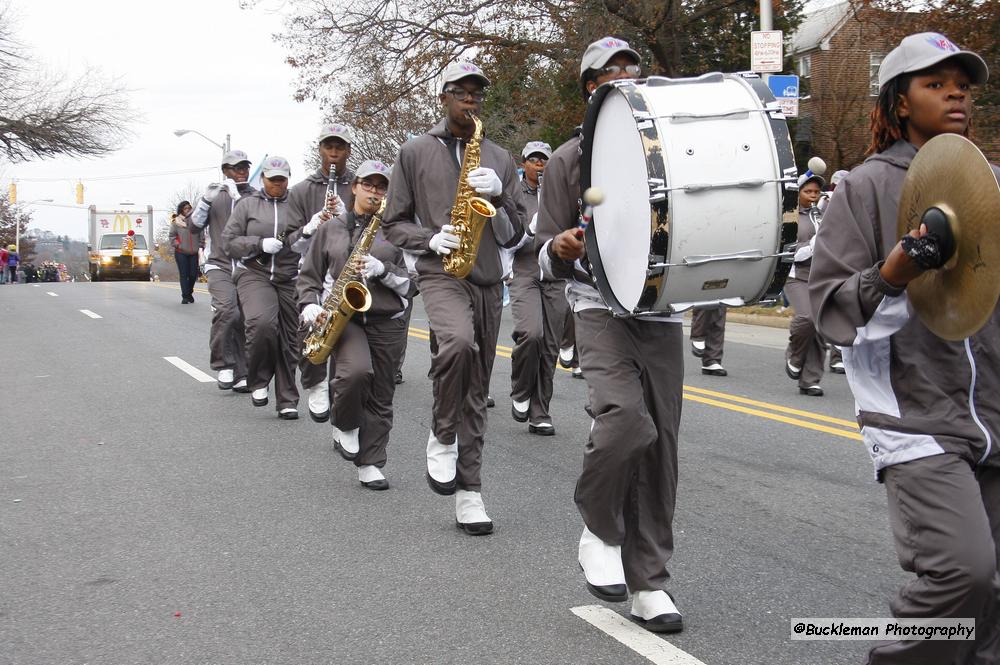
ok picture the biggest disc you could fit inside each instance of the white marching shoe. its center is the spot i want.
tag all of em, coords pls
(566, 356)
(347, 443)
(519, 410)
(602, 568)
(259, 397)
(697, 348)
(371, 477)
(655, 611)
(225, 379)
(470, 514)
(319, 402)
(442, 462)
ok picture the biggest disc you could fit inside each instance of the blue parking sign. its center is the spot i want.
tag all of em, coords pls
(784, 86)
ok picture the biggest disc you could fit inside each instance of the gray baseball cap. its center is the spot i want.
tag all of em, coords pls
(335, 129)
(234, 157)
(540, 147)
(459, 70)
(926, 49)
(372, 167)
(818, 179)
(605, 48)
(838, 176)
(276, 166)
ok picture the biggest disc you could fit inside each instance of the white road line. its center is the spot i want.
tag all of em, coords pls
(190, 370)
(91, 314)
(644, 643)
(53, 294)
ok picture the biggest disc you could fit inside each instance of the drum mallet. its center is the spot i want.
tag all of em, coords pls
(592, 196)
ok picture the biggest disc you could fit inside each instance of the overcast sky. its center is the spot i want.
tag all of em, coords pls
(204, 65)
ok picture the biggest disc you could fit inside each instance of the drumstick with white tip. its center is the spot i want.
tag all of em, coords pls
(592, 196)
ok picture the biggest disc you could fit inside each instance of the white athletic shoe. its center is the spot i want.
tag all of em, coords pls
(470, 514)
(442, 462)
(372, 478)
(225, 379)
(656, 611)
(602, 568)
(577, 373)
(349, 441)
(319, 402)
(566, 356)
(259, 397)
(519, 410)
(698, 347)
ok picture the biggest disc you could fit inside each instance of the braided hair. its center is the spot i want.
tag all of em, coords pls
(886, 125)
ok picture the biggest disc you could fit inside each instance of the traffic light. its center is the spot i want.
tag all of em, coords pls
(79, 193)
(12, 195)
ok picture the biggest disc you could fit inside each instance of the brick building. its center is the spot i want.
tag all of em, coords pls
(836, 52)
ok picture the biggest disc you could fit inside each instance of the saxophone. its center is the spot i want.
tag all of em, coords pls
(470, 212)
(347, 296)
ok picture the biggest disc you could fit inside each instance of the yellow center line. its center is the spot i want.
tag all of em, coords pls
(695, 394)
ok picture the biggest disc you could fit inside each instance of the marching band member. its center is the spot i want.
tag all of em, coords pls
(464, 313)
(568, 357)
(806, 349)
(539, 309)
(265, 275)
(227, 339)
(634, 370)
(708, 336)
(927, 407)
(305, 200)
(363, 363)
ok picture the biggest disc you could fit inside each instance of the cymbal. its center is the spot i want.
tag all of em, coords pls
(949, 173)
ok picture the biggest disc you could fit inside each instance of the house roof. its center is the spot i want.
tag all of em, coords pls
(819, 26)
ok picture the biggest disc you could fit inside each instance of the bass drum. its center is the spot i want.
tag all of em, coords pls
(695, 174)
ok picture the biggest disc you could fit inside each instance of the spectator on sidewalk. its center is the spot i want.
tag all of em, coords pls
(3, 265)
(11, 263)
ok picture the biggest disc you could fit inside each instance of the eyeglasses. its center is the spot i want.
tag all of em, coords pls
(461, 94)
(537, 161)
(241, 167)
(371, 187)
(614, 70)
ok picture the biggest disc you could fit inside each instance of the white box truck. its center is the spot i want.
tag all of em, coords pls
(120, 244)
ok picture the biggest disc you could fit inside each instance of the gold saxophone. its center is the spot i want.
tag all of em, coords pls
(347, 296)
(469, 214)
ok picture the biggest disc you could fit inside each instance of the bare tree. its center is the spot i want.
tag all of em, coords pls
(45, 115)
(375, 64)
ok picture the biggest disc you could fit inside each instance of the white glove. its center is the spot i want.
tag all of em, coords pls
(317, 220)
(373, 267)
(485, 181)
(444, 240)
(335, 206)
(271, 245)
(533, 224)
(805, 252)
(310, 314)
(231, 186)
(212, 191)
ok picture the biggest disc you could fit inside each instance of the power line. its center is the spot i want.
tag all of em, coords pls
(131, 176)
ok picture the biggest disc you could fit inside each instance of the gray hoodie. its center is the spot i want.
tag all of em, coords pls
(424, 183)
(916, 394)
(257, 217)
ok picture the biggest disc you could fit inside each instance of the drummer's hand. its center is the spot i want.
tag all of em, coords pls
(899, 269)
(568, 246)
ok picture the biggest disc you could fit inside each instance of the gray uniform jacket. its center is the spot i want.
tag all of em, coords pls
(806, 233)
(558, 211)
(215, 215)
(916, 394)
(254, 218)
(424, 183)
(308, 197)
(525, 259)
(323, 262)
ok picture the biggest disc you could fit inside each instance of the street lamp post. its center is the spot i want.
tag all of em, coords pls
(223, 146)
(17, 225)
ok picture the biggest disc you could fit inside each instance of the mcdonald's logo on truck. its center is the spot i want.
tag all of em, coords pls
(120, 243)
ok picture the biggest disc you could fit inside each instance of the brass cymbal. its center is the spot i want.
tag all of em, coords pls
(951, 174)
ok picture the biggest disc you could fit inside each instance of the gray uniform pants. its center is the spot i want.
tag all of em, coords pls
(309, 374)
(539, 310)
(805, 347)
(362, 384)
(627, 490)
(465, 318)
(227, 339)
(569, 334)
(272, 322)
(945, 519)
(709, 326)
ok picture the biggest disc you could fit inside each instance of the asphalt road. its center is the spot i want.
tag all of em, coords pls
(147, 517)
